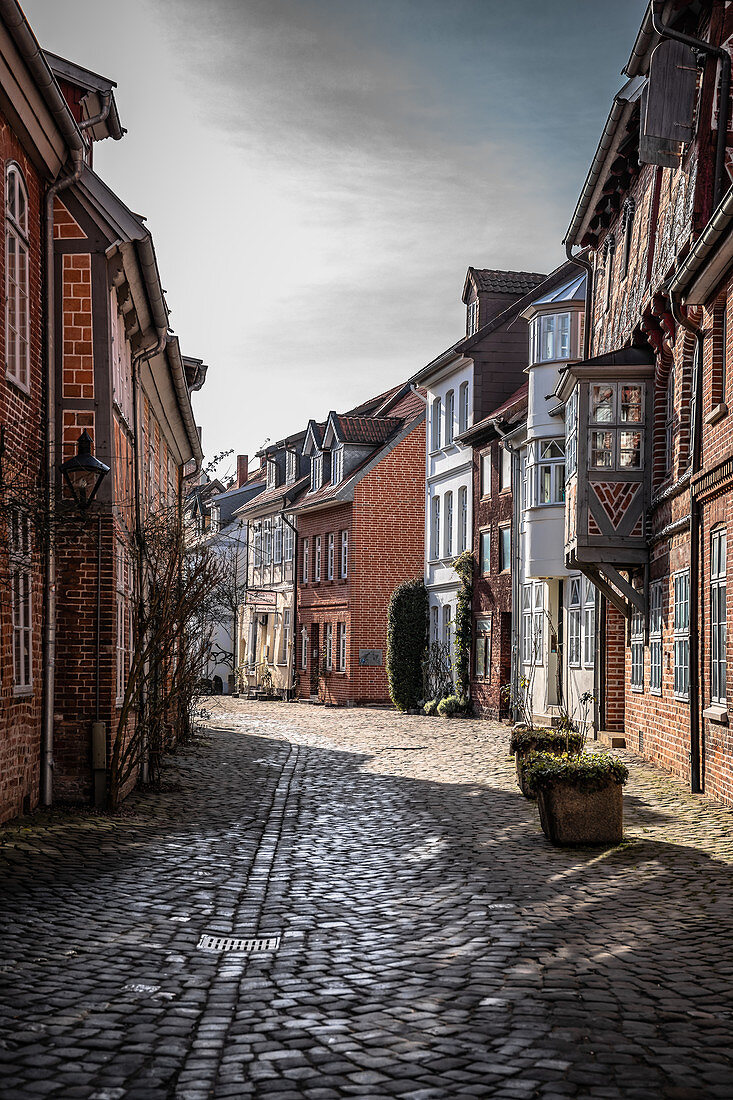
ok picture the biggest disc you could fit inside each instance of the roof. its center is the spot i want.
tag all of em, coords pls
(96, 88)
(271, 498)
(489, 280)
(363, 429)
(508, 411)
(374, 404)
(571, 291)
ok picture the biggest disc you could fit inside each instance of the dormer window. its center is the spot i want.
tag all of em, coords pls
(316, 471)
(337, 465)
(472, 317)
(291, 467)
(271, 474)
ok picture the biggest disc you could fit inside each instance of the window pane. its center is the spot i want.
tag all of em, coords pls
(631, 404)
(485, 551)
(630, 450)
(601, 450)
(602, 404)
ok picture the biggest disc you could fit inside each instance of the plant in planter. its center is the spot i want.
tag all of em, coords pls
(580, 797)
(526, 741)
(451, 706)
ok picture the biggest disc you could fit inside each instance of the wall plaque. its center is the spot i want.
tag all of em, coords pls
(370, 657)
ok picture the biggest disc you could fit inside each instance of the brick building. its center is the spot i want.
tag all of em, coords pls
(648, 499)
(360, 534)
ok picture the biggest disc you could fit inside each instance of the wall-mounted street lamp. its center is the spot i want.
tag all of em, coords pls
(83, 472)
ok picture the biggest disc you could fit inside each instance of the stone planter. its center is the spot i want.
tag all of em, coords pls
(571, 816)
(523, 754)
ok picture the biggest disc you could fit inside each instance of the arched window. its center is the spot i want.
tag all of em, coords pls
(17, 320)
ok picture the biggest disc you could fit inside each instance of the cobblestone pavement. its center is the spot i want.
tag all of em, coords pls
(433, 943)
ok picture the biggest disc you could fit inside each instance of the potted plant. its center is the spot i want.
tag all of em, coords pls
(580, 797)
(526, 740)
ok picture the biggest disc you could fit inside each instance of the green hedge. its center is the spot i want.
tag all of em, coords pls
(545, 738)
(407, 638)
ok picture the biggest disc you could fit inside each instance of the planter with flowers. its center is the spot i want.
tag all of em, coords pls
(527, 740)
(580, 797)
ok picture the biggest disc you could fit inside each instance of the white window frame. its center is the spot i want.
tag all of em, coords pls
(344, 555)
(17, 279)
(447, 625)
(267, 542)
(277, 540)
(546, 468)
(337, 465)
(464, 407)
(304, 647)
(450, 413)
(538, 610)
(718, 616)
(317, 559)
(271, 474)
(552, 338)
(656, 598)
(571, 433)
(527, 624)
(472, 314)
(328, 645)
(331, 556)
(341, 647)
(288, 539)
(485, 474)
(291, 466)
(505, 469)
(435, 412)
(637, 650)
(448, 525)
(589, 623)
(575, 590)
(435, 528)
(306, 547)
(316, 471)
(286, 633)
(462, 519)
(434, 613)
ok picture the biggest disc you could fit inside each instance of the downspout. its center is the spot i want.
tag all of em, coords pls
(695, 466)
(102, 116)
(723, 106)
(291, 656)
(423, 397)
(49, 591)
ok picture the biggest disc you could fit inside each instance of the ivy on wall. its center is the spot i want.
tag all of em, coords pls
(464, 566)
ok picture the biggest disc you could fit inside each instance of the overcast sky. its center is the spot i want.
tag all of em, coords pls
(318, 174)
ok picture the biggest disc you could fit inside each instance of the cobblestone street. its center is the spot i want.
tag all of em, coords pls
(433, 943)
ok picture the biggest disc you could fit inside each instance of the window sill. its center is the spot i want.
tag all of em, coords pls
(23, 692)
(656, 691)
(717, 413)
(17, 385)
(716, 712)
(637, 690)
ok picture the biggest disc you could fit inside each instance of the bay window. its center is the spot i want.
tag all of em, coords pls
(618, 409)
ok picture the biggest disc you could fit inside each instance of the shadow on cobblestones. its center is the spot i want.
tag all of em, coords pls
(433, 943)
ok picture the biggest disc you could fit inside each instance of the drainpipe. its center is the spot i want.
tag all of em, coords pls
(723, 108)
(49, 590)
(102, 116)
(695, 466)
(291, 657)
(587, 266)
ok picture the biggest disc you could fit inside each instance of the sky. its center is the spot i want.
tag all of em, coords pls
(319, 174)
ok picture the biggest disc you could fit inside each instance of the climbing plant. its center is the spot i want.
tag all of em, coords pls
(463, 566)
(407, 637)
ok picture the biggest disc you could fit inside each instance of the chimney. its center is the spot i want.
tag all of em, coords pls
(242, 461)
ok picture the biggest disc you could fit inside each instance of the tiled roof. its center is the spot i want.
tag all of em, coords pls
(506, 282)
(512, 408)
(366, 429)
(518, 398)
(273, 496)
(374, 403)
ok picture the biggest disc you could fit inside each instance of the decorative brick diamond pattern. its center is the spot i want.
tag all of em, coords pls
(616, 498)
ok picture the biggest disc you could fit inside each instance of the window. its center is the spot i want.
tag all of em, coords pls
(505, 468)
(306, 547)
(485, 552)
(551, 338)
(482, 666)
(316, 471)
(485, 473)
(271, 473)
(331, 557)
(328, 645)
(550, 471)
(463, 407)
(267, 542)
(435, 425)
(304, 647)
(539, 621)
(17, 317)
(448, 525)
(277, 540)
(669, 421)
(289, 537)
(215, 525)
(681, 627)
(341, 647)
(447, 624)
(472, 317)
(571, 432)
(527, 624)
(525, 478)
(574, 621)
(718, 618)
(618, 444)
(344, 554)
(627, 226)
(435, 528)
(291, 466)
(20, 592)
(505, 549)
(434, 623)
(609, 251)
(286, 636)
(121, 363)
(656, 591)
(462, 519)
(337, 465)
(637, 650)
(317, 559)
(450, 411)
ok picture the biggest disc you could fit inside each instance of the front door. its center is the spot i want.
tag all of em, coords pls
(314, 661)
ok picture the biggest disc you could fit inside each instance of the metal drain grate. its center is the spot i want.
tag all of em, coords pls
(252, 944)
